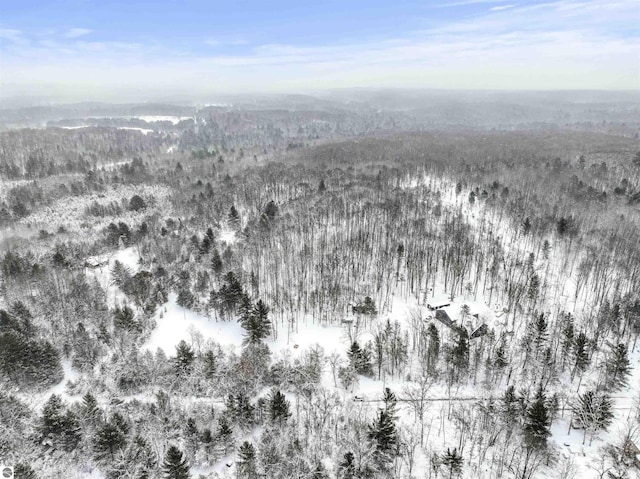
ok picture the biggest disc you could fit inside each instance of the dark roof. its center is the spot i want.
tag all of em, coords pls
(443, 317)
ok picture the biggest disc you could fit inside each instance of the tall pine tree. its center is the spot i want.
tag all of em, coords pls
(256, 324)
(278, 407)
(452, 460)
(347, 467)
(593, 411)
(384, 435)
(246, 462)
(175, 465)
(184, 358)
(537, 422)
(617, 368)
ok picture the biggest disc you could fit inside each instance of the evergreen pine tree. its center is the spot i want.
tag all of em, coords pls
(225, 433)
(257, 324)
(278, 407)
(460, 353)
(191, 428)
(191, 434)
(136, 203)
(369, 307)
(354, 354)
(142, 455)
(72, 433)
(593, 412)
(390, 403)
(500, 358)
(123, 318)
(175, 464)
(59, 427)
(245, 308)
(185, 298)
(210, 364)
(231, 292)
(347, 467)
(580, 354)
(434, 347)
(204, 246)
(568, 332)
(261, 311)
(365, 365)
(382, 432)
(184, 358)
(617, 368)
(452, 461)
(52, 420)
(209, 234)
(540, 332)
(109, 439)
(120, 274)
(537, 422)
(30, 362)
(247, 461)
(216, 262)
(234, 216)
(360, 359)
(23, 319)
(512, 410)
(271, 210)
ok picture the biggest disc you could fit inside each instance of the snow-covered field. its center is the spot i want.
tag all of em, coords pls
(71, 213)
(144, 131)
(156, 118)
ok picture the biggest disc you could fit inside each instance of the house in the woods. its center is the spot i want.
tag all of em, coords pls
(474, 324)
(438, 303)
(443, 317)
(96, 262)
(479, 331)
(631, 454)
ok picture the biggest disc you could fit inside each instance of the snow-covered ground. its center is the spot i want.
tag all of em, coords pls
(587, 456)
(561, 283)
(175, 323)
(228, 236)
(144, 131)
(156, 118)
(71, 213)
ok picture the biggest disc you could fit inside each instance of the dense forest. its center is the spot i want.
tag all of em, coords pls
(320, 292)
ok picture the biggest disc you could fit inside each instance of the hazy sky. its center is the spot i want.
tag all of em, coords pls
(89, 49)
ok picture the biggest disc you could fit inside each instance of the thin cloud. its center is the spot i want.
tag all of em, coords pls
(461, 3)
(10, 34)
(501, 7)
(559, 44)
(77, 32)
(219, 42)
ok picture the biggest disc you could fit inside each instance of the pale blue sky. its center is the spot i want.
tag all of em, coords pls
(95, 47)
